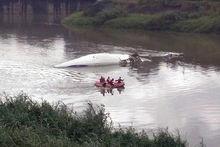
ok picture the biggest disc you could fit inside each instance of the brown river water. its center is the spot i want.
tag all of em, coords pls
(182, 95)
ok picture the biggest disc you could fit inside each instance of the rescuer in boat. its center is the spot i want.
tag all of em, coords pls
(108, 80)
(102, 79)
(119, 80)
(111, 82)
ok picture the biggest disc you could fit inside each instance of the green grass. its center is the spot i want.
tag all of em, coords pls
(113, 14)
(112, 19)
(83, 20)
(130, 22)
(146, 21)
(77, 19)
(202, 24)
(171, 21)
(24, 122)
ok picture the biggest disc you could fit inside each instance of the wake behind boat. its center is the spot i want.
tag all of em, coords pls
(100, 59)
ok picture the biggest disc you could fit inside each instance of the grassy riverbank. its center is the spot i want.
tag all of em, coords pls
(145, 15)
(24, 122)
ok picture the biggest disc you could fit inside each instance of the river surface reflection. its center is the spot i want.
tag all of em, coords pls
(182, 94)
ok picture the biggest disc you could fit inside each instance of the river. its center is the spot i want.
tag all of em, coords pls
(182, 95)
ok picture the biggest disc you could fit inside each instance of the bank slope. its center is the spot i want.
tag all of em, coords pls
(111, 14)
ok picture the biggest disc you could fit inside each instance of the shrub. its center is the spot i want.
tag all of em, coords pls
(109, 14)
(24, 122)
(77, 19)
(202, 24)
(133, 21)
(98, 7)
(147, 22)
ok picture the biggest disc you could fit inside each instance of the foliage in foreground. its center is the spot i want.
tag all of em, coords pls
(24, 122)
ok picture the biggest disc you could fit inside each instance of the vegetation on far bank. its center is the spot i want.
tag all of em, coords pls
(24, 122)
(158, 15)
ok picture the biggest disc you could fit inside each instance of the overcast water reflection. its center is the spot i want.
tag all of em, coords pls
(180, 94)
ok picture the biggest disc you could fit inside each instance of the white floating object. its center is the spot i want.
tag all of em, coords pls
(100, 59)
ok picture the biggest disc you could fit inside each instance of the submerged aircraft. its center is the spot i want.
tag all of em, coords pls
(99, 59)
